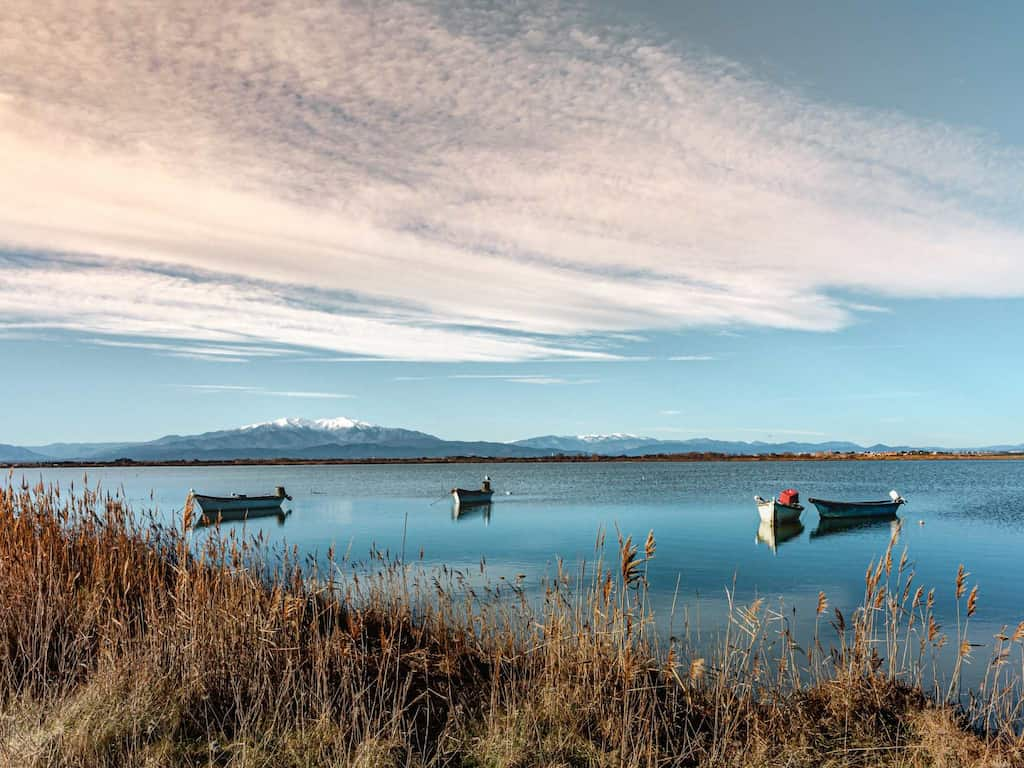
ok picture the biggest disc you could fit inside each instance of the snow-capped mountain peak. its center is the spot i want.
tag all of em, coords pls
(340, 423)
(337, 424)
(612, 436)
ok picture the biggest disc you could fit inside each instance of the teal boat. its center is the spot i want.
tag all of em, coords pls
(240, 502)
(831, 509)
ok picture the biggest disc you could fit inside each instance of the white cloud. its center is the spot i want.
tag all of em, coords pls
(120, 300)
(250, 390)
(526, 378)
(210, 352)
(313, 395)
(387, 180)
(219, 387)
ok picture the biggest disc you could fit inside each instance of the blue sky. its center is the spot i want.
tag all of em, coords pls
(796, 221)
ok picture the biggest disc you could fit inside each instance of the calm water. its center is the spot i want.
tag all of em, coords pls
(703, 517)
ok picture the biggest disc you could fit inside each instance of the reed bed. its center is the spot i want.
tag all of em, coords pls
(125, 643)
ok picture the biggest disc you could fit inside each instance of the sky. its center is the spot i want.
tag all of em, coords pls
(496, 220)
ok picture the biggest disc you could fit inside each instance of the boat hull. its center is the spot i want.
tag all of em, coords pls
(774, 512)
(237, 503)
(856, 509)
(464, 497)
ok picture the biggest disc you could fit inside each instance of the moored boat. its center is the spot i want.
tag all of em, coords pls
(828, 508)
(482, 495)
(240, 502)
(783, 509)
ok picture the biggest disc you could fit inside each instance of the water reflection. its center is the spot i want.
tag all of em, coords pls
(828, 526)
(774, 534)
(221, 517)
(462, 512)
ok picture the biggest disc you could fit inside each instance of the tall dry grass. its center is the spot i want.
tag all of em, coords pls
(124, 643)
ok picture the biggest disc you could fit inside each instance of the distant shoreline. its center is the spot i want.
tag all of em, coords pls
(555, 459)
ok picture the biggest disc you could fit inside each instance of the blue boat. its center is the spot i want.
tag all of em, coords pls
(859, 509)
(239, 502)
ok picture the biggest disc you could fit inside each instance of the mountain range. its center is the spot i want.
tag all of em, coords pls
(344, 438)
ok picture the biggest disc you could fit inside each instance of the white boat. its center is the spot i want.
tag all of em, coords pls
(775, 511)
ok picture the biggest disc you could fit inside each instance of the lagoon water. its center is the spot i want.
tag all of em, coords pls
(702, 514)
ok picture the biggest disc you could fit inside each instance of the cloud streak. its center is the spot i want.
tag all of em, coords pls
(249, 390)
(411, 181)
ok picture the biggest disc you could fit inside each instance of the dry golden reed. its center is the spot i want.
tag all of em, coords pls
(124, 643)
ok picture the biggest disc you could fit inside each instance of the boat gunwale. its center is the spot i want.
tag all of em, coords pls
(200, 496)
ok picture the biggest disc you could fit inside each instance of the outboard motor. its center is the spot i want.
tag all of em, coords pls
(486, 484)
(279, 492)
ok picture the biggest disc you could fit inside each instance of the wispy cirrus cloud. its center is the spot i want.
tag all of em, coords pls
(118, 299)
(251, 390)
(526, 378)
(211, 352)
(412, 180)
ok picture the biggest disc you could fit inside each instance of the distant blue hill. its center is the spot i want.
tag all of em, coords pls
(13, 454)
(344, 438)
(635, 445)
(281, 439)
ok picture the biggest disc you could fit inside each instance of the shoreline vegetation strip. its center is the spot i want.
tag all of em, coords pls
(554, 459)
(126, 643)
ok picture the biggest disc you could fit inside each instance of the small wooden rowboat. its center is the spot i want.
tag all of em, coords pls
(239, 502)
(855, 509)
(774, 511)
(783, 509)
(465, 497)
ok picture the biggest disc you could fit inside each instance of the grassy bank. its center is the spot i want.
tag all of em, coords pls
(125, 644)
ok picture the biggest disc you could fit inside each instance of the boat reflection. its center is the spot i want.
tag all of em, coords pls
(226, 516)
(829, 526)
(461, 512)
(774, 534)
